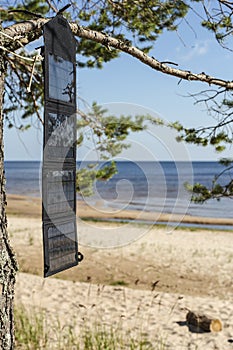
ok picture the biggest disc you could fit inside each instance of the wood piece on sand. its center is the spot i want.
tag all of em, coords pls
(206, 323)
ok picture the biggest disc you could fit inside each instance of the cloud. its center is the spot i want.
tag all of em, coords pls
(201, 48)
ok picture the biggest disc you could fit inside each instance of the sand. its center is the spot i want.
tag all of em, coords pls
(160, 316)
(143, 288)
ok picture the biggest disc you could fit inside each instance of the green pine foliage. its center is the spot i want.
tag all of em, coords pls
(135, 22)
(218, 189)
(108, 135)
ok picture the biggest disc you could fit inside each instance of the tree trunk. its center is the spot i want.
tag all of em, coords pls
(8, 264)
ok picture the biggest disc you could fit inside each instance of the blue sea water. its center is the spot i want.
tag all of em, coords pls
(147, 186)
(23, 177)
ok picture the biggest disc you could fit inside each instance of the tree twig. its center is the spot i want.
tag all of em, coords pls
(52, 6)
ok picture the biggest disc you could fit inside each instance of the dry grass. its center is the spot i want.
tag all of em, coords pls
(32, 332)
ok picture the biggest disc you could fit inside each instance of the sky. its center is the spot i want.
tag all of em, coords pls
(127, 86)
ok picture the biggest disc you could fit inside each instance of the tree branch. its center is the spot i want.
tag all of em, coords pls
(31, 30)
(23, 83)
(52, 6)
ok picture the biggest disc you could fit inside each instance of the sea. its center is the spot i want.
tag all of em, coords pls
(148, 186)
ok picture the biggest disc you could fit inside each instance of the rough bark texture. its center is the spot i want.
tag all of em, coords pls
(206, 323)
(8, 264)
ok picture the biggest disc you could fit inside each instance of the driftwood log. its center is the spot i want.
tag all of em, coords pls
(204, 322)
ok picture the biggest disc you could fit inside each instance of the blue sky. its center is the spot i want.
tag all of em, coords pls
(125, 84)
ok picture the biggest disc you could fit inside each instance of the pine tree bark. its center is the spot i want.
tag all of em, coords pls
(8, 264)
(204, 322)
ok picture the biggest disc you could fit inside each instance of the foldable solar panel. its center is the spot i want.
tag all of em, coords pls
(59, 151)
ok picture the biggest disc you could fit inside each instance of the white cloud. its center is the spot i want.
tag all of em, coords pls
(201, 48)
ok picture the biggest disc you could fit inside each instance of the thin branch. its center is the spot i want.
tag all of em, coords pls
(31, 93)
(36, 108)
(52, 6)
(227, 4)
(26, 12)
(9, 37)
(223, 172)
(214, 127)
(15, 54)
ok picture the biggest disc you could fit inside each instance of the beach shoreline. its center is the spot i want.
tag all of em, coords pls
(27, 206)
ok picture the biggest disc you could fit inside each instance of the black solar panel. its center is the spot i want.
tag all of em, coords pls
(59, 156)
(60, 245)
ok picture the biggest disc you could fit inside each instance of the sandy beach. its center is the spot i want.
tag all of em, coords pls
(146, 286)
(31, 207)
